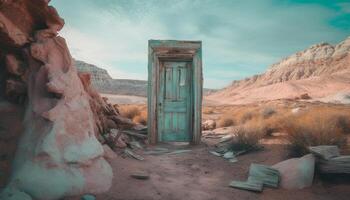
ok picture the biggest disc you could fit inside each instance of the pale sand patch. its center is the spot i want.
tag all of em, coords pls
(124, 99)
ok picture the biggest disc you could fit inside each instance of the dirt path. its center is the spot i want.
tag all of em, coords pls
(198, 175)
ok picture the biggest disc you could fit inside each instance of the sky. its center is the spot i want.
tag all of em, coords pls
(239, 38)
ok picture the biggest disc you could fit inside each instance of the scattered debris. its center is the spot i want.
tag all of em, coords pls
(254, 186)
(140, 175)
(226, 138)
(329, 160)
(161, 151)
(179, 151)
(215, 153)
(267, 175)
(233, 160)
(135, 145)
(325, 151)
(296, 173)
(229, 155)
(130, 153)
(259, 176)
(337, 165)
(134, 134)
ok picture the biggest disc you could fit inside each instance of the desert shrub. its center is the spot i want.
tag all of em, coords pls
(247, 137)
(129, 111)
(141, 118)
(225, 121)
(342, 121)
(246, 117)
(315, 127)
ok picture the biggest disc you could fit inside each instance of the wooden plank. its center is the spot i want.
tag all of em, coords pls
(267, 175)
(254, 186)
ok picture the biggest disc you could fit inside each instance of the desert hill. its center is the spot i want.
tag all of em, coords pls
(321, 71)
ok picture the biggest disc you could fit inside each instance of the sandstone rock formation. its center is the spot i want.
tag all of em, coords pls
(104, 83)
(320, 71)
(49, 116)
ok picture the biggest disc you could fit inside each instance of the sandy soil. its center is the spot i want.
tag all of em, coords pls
(198, 175)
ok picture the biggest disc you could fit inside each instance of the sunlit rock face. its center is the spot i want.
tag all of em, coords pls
(45, 112)
(321, 71)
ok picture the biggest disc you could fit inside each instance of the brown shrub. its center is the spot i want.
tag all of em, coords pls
(319, 126)
(130, 111)
(247, 136)
(246, 117)
(142, 118)
(225, 121)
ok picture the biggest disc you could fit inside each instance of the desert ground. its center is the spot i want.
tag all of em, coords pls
(200, 175)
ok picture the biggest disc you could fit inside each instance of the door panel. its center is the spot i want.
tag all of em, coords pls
(174, 109)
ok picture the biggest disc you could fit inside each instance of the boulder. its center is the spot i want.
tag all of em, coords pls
(53, 116)
(296, 173)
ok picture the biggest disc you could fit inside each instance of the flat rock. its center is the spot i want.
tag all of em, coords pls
(325, 151)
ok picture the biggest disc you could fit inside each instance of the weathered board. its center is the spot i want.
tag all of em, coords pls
(174, 91)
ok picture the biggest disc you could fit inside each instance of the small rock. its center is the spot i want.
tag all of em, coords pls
(229, 155)
(296, 110)
(111, 124)
(88, 197)
(120, 143)
(305, 96)
(140, 175)
(209, 125)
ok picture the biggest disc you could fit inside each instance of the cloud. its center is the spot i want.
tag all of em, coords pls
(240, 38)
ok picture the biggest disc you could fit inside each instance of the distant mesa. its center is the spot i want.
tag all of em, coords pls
(104, 83)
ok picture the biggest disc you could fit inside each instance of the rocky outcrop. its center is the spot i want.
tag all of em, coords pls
(319, 71)
(49, 115)
(104, 83)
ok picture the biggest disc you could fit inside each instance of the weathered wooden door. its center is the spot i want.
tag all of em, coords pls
(174, 91)
(175, 102)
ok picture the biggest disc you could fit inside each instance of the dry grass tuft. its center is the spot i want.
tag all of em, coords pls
(315, 124)
(248, 136)
(137, 113)
(142, 118)
(225, 120)
(130, 111)
(318, 126)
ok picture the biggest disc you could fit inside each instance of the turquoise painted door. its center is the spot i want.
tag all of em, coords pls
(174, 102)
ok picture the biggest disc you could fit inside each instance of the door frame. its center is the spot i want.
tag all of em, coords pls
(174, 50)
